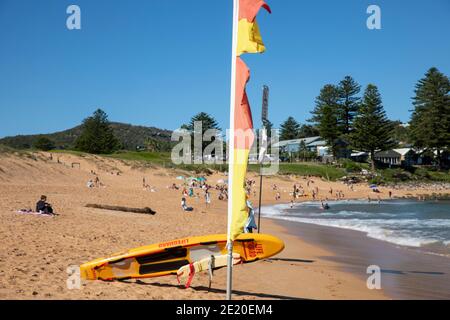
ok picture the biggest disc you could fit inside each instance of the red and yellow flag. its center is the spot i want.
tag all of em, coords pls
(248, 41)
(249, 37)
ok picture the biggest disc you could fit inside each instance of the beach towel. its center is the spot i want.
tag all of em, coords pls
(34, 213)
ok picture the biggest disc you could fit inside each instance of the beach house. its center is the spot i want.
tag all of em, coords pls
(295, 145)
(397, 157)
(316, 145)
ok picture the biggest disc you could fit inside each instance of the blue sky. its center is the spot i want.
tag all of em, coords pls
(157, 63)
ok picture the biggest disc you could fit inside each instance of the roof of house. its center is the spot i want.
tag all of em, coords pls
(403, 151)
(359, 154)
(317, 143)
(387, 153)
(307, 141)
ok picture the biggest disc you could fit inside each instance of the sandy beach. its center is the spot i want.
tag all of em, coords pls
(35, 251)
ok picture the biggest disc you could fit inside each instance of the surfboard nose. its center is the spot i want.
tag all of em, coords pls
(272, 245)
(276, 245)
(256, 246)
(87, 272)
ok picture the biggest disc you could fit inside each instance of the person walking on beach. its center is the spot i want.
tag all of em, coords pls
(277, 196)
(207, 197)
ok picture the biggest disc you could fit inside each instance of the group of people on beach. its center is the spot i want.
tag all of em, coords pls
(188, 192)
(94, 182)
(223, 192)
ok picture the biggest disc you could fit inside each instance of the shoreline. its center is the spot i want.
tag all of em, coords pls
(271, 206)
(304, 270)
(406, 272)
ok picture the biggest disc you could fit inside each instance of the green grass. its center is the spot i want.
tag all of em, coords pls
(303, 169)
(152, 157)
(17, 152)
(74, 152)
(398, 175)
(164, 159)
(431, 174)
(323, 171)
(158, 158)
(6, 149)
(352, 166)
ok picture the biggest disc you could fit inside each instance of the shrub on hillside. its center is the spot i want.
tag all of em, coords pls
(44, 144)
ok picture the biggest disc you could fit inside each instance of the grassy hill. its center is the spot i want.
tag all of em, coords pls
(129, 135)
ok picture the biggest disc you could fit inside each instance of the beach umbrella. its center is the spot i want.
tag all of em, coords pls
(201, 179)
(373, 186)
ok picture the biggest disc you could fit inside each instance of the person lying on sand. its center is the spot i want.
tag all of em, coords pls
(43, 207)
(184, 206)
(174, 187)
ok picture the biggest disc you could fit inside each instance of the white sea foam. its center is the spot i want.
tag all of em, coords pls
(275, 210)
(406, 231)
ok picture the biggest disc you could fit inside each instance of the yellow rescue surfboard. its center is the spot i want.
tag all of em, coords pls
(166, 258)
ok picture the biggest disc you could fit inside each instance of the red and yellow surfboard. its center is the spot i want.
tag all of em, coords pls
(166, 258)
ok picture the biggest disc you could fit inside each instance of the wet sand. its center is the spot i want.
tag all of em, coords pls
(406, 273)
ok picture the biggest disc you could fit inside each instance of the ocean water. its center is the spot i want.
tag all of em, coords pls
(423, 225)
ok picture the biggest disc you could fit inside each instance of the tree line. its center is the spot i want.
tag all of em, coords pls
(348, 120)
(343, 116)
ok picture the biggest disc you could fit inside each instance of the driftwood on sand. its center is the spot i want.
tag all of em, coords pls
(145, 210)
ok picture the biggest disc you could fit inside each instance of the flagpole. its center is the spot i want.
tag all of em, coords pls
(263, 137)
(231, 148)
(260, 194)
